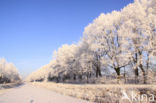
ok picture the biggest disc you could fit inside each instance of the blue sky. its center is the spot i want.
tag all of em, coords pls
(30, 30)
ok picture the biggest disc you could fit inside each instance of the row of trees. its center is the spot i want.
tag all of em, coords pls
(8, 72)
(124, 39)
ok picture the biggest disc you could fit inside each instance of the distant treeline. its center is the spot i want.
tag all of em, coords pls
(8, 72)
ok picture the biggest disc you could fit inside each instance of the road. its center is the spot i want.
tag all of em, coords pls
(30, 94)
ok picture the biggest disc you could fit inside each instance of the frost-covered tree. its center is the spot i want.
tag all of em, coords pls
(8, 72)
(65, 57)
(138, 30)
(86, 60)
(105, 40)
(124, 35)
(118, 40)
(41, 74)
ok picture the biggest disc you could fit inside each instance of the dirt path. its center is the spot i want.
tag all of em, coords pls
(31, 94)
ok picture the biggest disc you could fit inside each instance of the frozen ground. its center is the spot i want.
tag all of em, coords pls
(100, 93)
(31, 94)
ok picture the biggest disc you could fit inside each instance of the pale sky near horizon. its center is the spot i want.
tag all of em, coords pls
(30, 30)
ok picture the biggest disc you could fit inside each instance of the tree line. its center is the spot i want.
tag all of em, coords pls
(8, 72)
(117, 43)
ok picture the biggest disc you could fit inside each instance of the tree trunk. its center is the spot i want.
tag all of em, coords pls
(147, 64)
(136, 71)
(87, 77)
(98, 66)
(80, 77)
(98, 72)
(141, 67)
(143, 72)
(125, 75)
(74, 77)
(118, 74)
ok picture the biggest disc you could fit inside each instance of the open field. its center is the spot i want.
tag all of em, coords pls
(101, 93)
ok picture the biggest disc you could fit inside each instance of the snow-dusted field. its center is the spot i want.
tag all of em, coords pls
(9, 85)
(102, 93)
(31, 94)
(48, 92)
